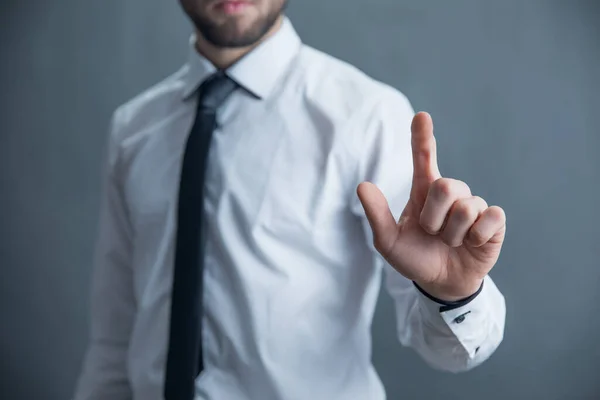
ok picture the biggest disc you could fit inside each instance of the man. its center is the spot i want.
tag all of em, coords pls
(250, 270)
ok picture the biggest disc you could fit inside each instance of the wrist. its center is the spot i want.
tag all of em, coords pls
(451, 293)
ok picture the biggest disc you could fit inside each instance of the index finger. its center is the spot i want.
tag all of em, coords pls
(424, 150)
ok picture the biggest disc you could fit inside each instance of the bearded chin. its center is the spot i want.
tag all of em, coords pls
(229, 35)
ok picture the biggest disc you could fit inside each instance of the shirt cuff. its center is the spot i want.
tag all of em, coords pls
(467, 319)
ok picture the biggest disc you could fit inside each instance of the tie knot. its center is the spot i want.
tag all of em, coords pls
(214, 91)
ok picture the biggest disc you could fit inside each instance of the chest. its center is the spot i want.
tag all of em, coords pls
(282, 168)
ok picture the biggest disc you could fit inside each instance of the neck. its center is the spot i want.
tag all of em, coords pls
(223, 57)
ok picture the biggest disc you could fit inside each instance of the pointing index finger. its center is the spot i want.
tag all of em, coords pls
(424, 151)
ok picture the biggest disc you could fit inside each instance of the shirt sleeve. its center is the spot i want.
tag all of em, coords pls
(104, 375)
(448, 337)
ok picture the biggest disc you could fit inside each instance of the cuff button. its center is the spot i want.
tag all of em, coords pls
(460, 318)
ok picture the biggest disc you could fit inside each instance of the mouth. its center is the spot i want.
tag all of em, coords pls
(232, 7)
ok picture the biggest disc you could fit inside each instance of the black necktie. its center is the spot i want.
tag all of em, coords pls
(184, 359)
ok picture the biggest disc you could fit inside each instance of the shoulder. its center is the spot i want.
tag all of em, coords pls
(148, 107)
(347, 87)
(365, 112)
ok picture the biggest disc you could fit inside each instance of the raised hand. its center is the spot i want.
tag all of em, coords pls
(446, 240)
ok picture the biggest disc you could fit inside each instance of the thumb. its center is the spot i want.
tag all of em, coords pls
(379, 215)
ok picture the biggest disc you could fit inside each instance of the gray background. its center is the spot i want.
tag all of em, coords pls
(512, 86)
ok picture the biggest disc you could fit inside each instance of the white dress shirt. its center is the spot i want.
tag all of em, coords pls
(291, 276)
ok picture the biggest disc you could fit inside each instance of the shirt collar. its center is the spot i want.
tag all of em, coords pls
(258, 71)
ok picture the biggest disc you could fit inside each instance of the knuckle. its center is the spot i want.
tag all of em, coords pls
(464, 211)
(481, 201)
(497, 214)
(465, 188)
(448, 187)
(442, 188)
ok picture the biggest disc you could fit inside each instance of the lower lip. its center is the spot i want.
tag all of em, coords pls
(233, 7)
